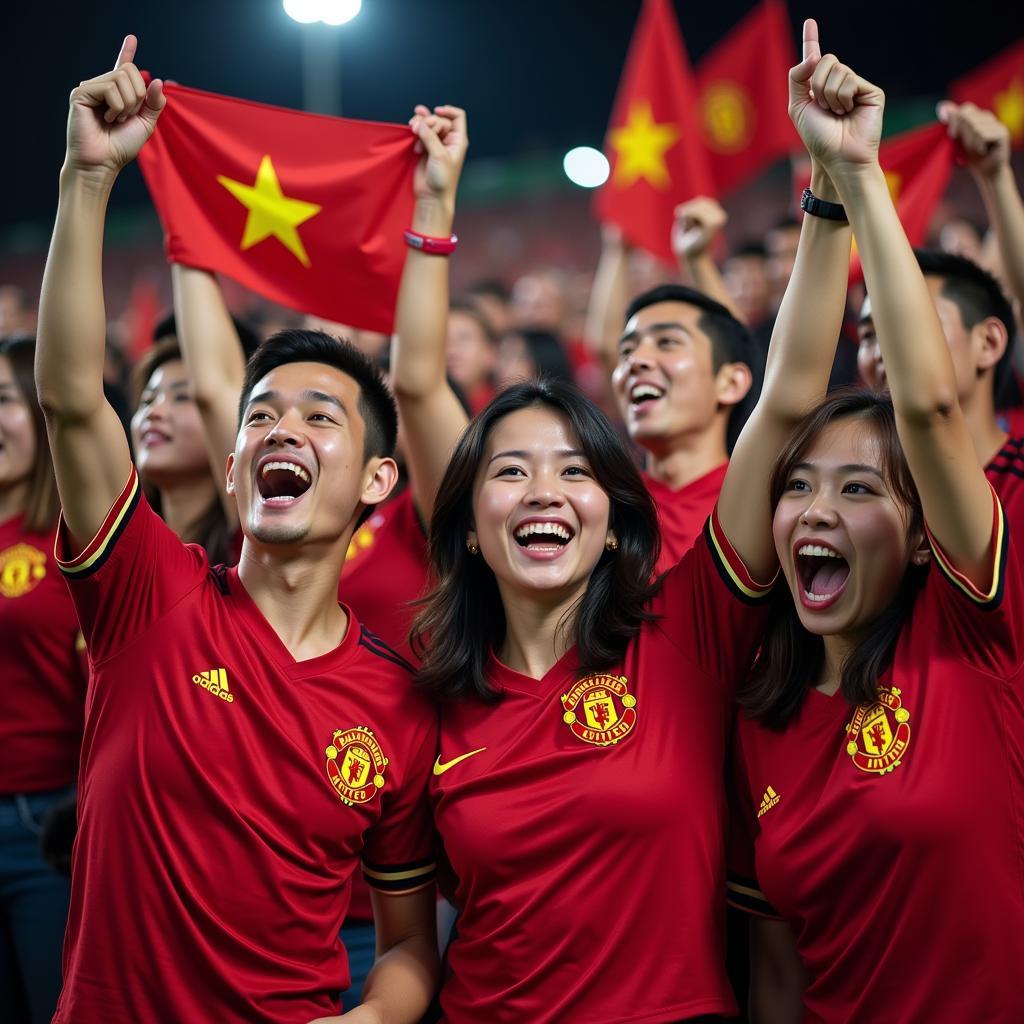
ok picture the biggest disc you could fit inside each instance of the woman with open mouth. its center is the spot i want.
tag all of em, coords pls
(880, 789)
(579, 787)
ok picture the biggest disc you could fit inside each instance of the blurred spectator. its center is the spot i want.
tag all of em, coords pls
(529, 353)
(780, 243)
(491, 298)
(539, 300)
(960, 237)
(748, 283)
(470, 353)
(16, 313)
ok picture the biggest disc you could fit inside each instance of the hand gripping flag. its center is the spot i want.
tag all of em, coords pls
(306, 210)
(744, 97)
(998, 86)
(654, 142)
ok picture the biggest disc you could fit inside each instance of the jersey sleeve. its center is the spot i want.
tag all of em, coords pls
(743, 891)
(130, 574)
(400, 855)
(711, 608)
(982, 627)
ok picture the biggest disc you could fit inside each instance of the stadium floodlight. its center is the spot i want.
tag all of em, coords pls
(586, 167)
(330, 12)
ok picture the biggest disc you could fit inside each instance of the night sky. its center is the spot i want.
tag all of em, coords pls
(534, 76)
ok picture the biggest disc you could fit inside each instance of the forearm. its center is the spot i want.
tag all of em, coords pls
(72, 318)
(918, 364)
(707, 278)
(1005, 210)
(810, 317)
(402, 982)
(609, 298)
(207, 337)
(421, 317)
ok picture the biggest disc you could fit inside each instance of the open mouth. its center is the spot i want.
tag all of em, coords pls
(541, 537)
(643, 395)
(822, 572)
(280, 483)
(151, 437)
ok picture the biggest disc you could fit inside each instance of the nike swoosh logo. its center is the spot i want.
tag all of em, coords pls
(440, 769)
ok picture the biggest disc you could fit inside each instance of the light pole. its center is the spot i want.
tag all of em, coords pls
(321, 51)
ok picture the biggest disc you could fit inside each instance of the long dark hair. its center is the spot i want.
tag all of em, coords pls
(791, 658)
(463, 618)
(211, 530)
(43, 503)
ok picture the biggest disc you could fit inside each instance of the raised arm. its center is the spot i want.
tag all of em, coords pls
(986, 141)
(432, 418)
(212, 352)
(609, 298)
(697, 222)
(810, 318)
(954, 492)
(111, 117)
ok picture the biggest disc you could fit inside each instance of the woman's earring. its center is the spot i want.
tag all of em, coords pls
(611, 542)
(471, 545)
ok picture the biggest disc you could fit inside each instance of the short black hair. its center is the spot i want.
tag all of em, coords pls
(978, 296)
(731, 342)
(750, 248)
(248, 336)
(298, 345)
(468, 308)
(490, 286)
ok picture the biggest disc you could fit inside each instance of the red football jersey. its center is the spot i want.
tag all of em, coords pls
(1006, 474)
(682, 513)
(891, 837)
(386, 569)
(42, 697)
(227, 792)
(582, 819)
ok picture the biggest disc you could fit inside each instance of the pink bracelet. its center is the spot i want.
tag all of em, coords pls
(430, 244)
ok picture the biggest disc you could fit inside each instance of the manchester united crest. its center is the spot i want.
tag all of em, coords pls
(600, 709)
(879, 734)
(22, 567)
(355, 764)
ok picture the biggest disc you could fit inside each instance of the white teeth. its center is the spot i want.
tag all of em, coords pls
(816, 597)
(642, 391)
(297, 470)
(817, 551)
(554, 529)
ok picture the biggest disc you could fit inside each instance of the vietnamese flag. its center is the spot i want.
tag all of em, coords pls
(917, 166)
(654, 141)
(744, 97)
(306, 210)
(998, 86)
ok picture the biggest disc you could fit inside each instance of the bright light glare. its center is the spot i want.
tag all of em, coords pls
(330, 12)
(586, 167)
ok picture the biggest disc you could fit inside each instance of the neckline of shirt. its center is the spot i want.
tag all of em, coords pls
(505, 678)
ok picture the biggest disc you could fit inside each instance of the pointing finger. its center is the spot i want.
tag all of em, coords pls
(812, 48)
(128, 48)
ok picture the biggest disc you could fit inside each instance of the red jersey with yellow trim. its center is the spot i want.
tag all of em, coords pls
(582, 819)
(1006, 475)
(891, 837)
(683, 512)
(386, 569)
(42, 696)
(227, 792)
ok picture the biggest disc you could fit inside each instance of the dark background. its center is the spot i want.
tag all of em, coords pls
(535, 76)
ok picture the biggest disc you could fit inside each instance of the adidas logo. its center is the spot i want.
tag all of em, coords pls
(216, 681)
(768, 801)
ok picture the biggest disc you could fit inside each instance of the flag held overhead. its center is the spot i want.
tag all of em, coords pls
(305, 210)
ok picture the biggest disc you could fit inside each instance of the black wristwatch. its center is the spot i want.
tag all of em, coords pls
(816, 207)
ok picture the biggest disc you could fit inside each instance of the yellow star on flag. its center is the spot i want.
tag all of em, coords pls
(1010, 109)
(641, 146)
(271, 212)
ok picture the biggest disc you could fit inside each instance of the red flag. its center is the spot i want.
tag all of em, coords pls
(306, 210)
(744, 96)
(917, 165)
(653, 141)
(998, 86)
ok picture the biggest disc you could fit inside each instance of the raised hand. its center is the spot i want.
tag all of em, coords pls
(443, 139)
(112, 115)
(695, 226)
(985, 139)
(837, 113)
